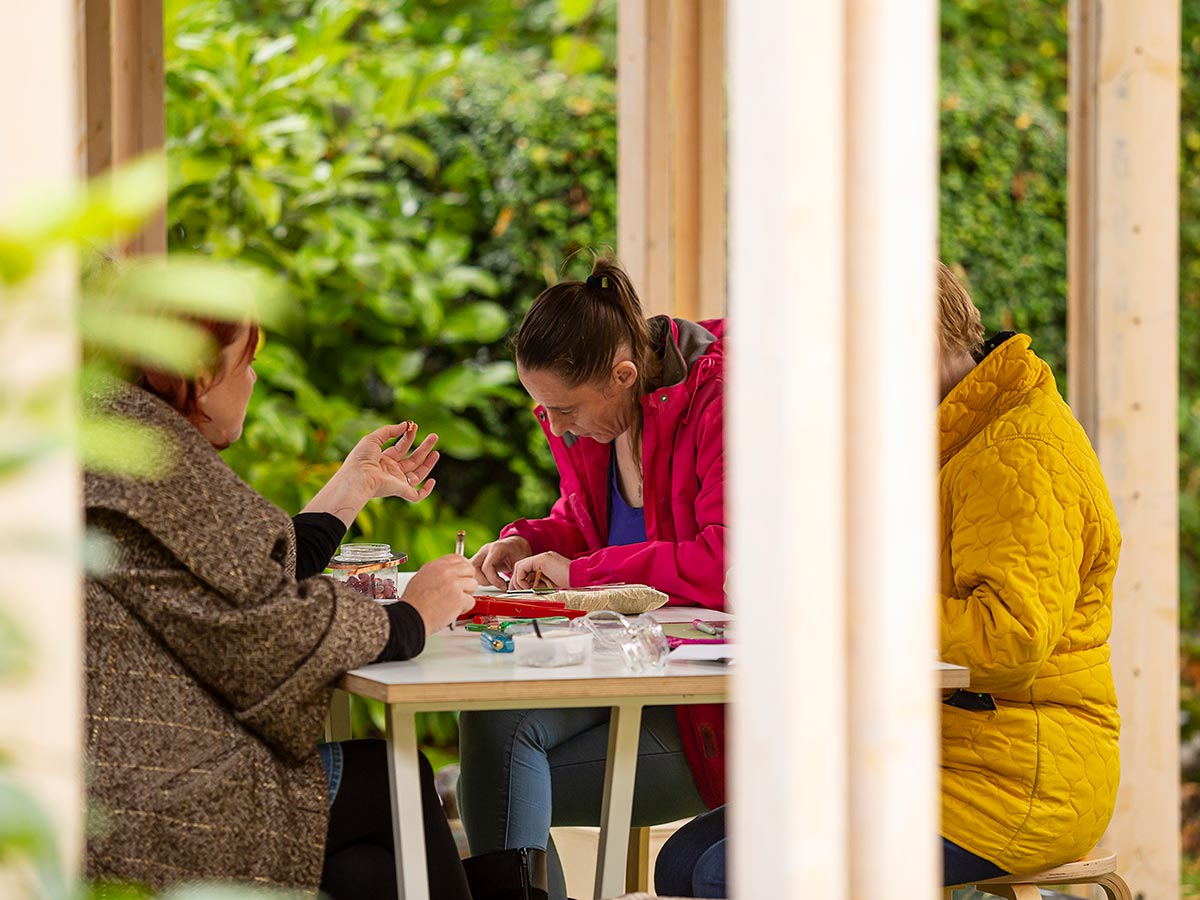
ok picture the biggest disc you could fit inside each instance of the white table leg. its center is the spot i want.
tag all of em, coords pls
(616, 812)
(408, 827)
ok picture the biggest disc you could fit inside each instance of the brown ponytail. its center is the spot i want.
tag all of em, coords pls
(576, 328)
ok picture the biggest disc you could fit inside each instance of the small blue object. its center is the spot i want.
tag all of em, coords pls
(496, 641)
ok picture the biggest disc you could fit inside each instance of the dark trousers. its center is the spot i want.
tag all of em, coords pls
(692, 862)
(359, 859)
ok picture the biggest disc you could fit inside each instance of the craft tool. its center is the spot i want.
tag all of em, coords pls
(708, 628)
(460, 549)
(486, 605)
(496, 641)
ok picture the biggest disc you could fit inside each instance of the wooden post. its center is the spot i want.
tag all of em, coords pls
(40, 523)
(96, 90)
(671, 154)
(785, 427)
(891, 450)
(1123, 333)
(712, 171)
(138, 118)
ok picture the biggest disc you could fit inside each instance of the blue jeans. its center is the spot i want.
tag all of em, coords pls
(525, 770)
(331, 759)
(692, 861)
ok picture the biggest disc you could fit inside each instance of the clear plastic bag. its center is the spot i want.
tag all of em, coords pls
(640, 641)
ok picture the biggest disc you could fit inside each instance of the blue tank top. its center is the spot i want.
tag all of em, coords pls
(626, 524)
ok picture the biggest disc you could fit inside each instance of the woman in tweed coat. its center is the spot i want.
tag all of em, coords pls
(209, 663)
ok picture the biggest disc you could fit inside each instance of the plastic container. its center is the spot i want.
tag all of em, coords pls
(640, 639)
(552, 649)
(371, 569)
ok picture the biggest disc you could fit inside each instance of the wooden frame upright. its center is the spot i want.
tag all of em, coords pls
(1122, 322)
(671, 153)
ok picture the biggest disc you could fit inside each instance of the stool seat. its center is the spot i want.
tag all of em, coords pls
(1099, 868)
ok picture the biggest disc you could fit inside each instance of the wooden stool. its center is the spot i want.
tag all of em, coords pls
(1098, 867)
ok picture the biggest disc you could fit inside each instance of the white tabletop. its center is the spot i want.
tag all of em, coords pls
(454, 666)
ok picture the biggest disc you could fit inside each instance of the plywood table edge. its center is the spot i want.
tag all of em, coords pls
(712, 688)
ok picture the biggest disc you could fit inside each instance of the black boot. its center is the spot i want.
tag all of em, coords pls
(508, 875)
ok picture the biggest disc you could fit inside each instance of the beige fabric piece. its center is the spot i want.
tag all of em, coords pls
(629, 599)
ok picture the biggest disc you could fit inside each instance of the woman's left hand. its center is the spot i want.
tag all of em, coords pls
(393, 472)
(554, 566)
(370, 471)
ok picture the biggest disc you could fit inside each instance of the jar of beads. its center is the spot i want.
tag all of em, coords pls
(371, 569)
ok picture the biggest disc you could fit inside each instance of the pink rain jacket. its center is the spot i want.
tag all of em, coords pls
(683, 462)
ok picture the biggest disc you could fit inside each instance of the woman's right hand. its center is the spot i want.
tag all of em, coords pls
(499, 556)
(441, 591)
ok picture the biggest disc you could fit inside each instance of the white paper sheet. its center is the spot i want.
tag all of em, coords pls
(705, 652)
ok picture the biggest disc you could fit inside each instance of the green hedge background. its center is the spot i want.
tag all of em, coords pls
(417, 172)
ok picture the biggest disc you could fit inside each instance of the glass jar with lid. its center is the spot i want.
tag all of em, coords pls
(371, 569)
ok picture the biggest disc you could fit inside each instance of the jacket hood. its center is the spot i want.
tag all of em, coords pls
(679, 343)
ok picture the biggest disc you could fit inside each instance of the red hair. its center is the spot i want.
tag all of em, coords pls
(181, 392)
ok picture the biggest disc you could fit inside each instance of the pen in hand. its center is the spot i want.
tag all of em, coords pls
(460, 549)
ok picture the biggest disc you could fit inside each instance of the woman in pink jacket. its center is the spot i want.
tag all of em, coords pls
(633, 411)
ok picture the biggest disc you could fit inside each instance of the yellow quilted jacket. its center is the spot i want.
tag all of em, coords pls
(1029, 549)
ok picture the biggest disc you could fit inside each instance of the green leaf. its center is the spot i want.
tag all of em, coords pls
(481, 323)
(202, 287)
(576, 55)
(26, 833)
(293, 123)
(457, 437)
(18, 258)
(122, 201)
(572, 12)
(397, 367)
(15, 459)
(124, 447)
(16, 650)
(266, 197)
(188, 170)
(272, 49)
(141, 339)
(416, 153)
(461, 279)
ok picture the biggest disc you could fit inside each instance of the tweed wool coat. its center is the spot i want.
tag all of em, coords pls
(209, 670)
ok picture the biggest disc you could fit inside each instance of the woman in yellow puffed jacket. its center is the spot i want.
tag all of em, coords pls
(1030, 542)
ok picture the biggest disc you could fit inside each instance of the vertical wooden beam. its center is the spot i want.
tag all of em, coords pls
(139, 120)
(1123, 233)
(684, 172)
(656, 283)
(891, 399)
(40, 523)
(785, 427)
(633, 175)
(712, 170)
(97, 85)
(671, 155)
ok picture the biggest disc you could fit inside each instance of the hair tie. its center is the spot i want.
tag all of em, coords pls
(597, 281)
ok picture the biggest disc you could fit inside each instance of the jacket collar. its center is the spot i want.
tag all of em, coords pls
(189, 505)
(1000, 382)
